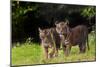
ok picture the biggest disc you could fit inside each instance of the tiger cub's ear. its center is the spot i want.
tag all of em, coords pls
(67, 22)
(56, 22)
(39, 29)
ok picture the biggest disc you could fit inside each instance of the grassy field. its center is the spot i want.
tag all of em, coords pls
(26, 54)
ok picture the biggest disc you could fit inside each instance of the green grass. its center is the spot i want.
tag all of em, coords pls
(25, 54)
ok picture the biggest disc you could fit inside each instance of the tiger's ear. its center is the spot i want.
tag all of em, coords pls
(56, 22)
(39, 29)
(67, 22)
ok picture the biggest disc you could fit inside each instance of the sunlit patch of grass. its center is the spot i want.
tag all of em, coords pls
(26, 54)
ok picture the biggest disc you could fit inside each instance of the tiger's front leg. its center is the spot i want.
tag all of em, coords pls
(56, 52)
(46, 52)
(68, 49)
(64, 50)
(51, 54)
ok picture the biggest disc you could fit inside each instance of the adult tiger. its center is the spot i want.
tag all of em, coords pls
(72, 36)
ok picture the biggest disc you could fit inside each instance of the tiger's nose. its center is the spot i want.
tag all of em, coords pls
(60, 35)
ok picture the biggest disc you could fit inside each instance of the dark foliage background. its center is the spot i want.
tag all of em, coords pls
(27, 17)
